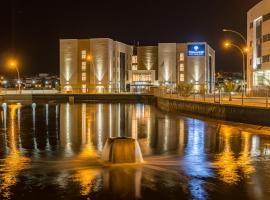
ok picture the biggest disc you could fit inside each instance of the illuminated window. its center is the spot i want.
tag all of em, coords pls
(83, 76)
(134, 60)
(141, 77)
(182, 67)
(182, 77)
(182, 57)
(134, 67)
(84, 88)
(83, 66)
(83, 54)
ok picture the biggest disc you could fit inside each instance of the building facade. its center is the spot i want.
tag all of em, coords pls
(94, 65)
(104, 65)
(258, 40)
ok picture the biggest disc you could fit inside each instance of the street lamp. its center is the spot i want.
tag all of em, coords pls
(244, 50)
(237, 33)
(245, 43)
(14, 64)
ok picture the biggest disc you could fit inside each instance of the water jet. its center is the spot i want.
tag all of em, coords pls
(121, 150)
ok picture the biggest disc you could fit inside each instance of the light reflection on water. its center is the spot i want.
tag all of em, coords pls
(53, 151)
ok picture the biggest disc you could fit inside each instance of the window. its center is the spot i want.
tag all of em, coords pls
(83, 88)
(141, 77)
(182, 67)
(83, 76)
(134, 67)
(266, 58)
(83, 54)
(83, 66)
(266, 17)
(182, 77)
(182, 57)
(266, 37)
(134, 60)
(259, 61)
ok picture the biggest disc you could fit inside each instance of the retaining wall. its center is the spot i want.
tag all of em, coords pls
(244, 114)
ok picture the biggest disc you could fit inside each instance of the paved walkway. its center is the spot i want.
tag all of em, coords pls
(236, 100)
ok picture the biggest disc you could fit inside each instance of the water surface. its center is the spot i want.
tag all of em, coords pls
(52, 151)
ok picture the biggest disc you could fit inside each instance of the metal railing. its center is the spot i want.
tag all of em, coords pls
(221, 97)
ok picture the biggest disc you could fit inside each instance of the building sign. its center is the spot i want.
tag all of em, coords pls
(196, 50)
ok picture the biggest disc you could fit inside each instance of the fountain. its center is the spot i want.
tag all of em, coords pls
(121, 150)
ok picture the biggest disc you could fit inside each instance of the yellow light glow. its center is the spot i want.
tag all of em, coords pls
(13, 63)
(246, 49)
(89, 58)
(227, 44)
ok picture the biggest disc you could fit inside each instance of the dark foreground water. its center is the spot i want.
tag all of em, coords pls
(52, 151)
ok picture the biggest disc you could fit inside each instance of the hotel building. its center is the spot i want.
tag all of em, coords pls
(258, 39)
(94, 65)
(113, 66)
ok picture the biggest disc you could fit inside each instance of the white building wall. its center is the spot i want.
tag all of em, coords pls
(68, 62)
(255, 13)
(167, 62)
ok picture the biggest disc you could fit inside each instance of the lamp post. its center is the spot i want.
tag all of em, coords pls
(14, 64)
(243, 51)
(237, 33)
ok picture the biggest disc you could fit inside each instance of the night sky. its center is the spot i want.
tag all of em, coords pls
(32, 29)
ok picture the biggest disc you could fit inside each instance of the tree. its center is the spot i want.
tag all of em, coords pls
(185, 89)
(203, 90)
(230, 86)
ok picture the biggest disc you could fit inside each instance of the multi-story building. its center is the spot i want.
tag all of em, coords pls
(113, 65)
(258, 39)
(95, 65)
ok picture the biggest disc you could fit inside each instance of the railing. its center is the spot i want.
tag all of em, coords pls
(4, 91)
(93, 90)
(220, 97)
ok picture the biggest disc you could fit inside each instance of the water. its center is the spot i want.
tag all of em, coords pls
(52, 151)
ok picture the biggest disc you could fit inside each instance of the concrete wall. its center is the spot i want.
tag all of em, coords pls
(68, 62)
(148, 58)
(167, 62)
(251, 115)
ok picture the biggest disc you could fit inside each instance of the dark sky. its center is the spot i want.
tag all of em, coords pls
(38, 25)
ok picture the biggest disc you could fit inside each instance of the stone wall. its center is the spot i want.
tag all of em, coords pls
(244, 114)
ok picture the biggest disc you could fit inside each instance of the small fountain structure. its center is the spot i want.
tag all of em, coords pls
(121, 150)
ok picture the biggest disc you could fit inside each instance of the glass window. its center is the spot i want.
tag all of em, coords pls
(182, 67)
(141, 77)
(134, 59)
(134, 67)
(84, 88)
(182, 57)
(182, 77)
(83, 76)
(83, 54)
(83, 66)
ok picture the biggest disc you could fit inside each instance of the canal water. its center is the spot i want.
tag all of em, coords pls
(52, 151)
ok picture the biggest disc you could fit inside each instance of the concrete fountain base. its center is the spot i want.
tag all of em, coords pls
(122, 150)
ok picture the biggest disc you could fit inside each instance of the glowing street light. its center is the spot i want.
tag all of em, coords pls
(14, 65)
(237, 33)
(228, 44)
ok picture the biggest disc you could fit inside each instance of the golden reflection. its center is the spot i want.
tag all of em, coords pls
(15, 162)
(86, 178)
(244, 161)
(227, 164)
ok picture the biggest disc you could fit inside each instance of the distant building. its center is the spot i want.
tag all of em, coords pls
(114, 66)
(258, 38)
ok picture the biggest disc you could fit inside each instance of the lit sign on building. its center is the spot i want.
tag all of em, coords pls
(196, 50)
